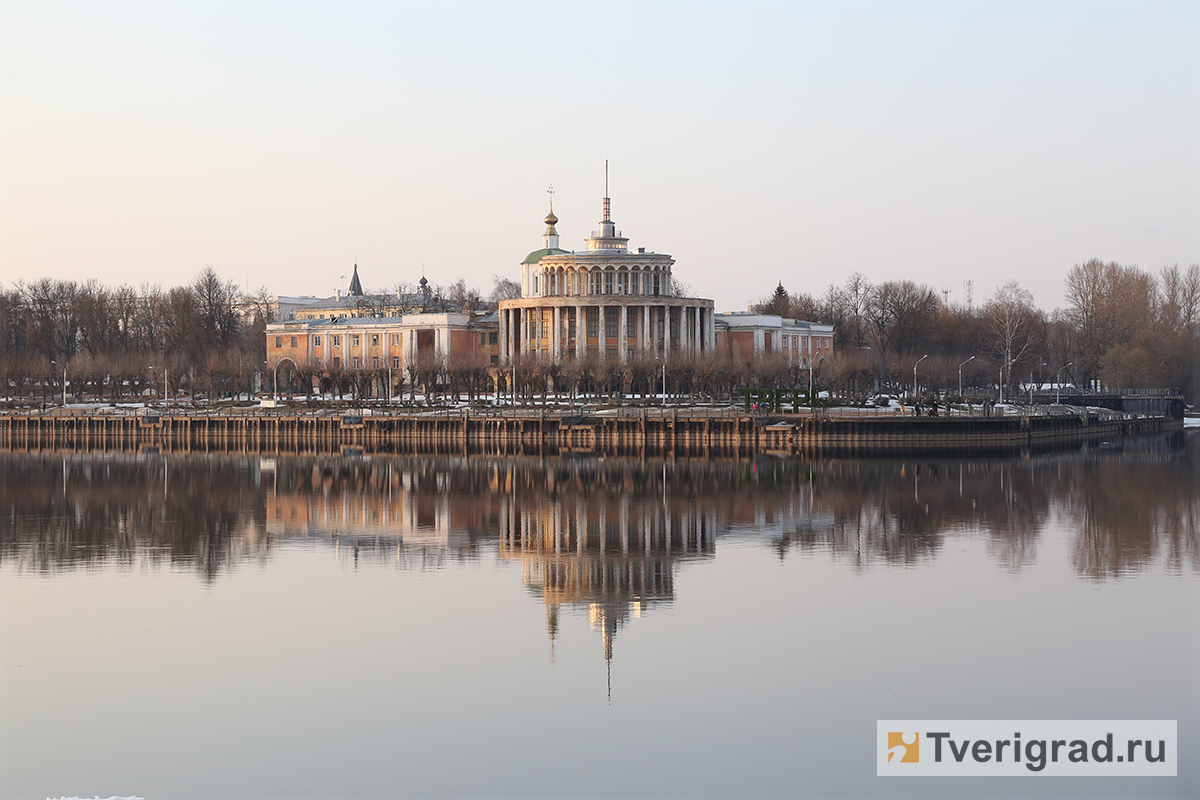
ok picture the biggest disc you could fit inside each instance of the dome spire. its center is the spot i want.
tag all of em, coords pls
(607, 210)
(550, 218)
(550, 237)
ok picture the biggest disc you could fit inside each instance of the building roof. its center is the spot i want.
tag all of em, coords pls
(537, 255)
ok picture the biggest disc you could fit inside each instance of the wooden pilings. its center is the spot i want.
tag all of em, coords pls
(462, 432)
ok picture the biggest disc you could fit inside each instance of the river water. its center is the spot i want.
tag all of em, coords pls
(239, 626)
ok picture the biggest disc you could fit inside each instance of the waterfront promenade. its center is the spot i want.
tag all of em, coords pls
(624, 430)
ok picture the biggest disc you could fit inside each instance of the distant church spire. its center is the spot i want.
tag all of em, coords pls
(355, 285)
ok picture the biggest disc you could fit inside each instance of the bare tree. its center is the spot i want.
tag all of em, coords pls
(1012, 325)
(504, 289)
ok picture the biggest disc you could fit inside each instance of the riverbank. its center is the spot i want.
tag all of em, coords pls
(624, 431)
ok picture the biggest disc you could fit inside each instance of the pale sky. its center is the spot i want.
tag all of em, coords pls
(755, 142)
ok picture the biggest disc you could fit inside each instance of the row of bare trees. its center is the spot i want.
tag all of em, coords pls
(206, 336)
(1122, 327)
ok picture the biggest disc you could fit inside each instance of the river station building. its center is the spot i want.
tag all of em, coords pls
(606, 300)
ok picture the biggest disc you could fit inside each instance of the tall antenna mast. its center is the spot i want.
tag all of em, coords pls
(607, 214)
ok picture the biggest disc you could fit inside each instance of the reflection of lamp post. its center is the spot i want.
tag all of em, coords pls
(1058, 384)
(960, 366)
(64, 369)
(916, 390)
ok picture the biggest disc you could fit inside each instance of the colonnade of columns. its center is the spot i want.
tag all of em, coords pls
(559, 330)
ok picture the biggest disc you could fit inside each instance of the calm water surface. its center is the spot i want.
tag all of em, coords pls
(229, 626)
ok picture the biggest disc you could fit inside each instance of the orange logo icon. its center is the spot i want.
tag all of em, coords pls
(904, 747)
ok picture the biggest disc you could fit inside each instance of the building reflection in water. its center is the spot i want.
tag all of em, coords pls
(601, 534)
(602, 539)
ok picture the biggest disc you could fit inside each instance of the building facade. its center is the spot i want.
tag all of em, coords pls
(380, 342)
(745, 335)
(605, 300)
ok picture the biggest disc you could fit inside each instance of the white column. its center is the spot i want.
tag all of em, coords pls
(580, 332)
(602, 333)
(622, 340)
(502, 335)
(758, 342)
(696, 328)
(556, 335)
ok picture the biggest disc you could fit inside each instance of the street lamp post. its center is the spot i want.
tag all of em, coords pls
(916, 391)
(1058, 383)
(812, 385)
(150, 369)
(1039, 366)
(1002, 368)
(960, 366)
(64, 369)
(664, 377)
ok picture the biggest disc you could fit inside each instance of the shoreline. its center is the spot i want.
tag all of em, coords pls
(622, 431)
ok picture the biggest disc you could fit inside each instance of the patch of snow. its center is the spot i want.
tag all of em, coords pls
(1191, 422)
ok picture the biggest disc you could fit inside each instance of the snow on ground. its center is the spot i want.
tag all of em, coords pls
(1191, 422)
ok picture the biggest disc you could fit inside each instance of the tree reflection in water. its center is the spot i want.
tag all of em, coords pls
(584, 526)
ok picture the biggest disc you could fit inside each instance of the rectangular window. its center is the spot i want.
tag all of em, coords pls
(608, 283)
(355, 340)
(395, 362)
(635, 288)
(316, 341)
(295, 341)
(495, 359)
(375, 362)
(610, 323)
(355, 362)
(674, 326)
(337, 361)
(374, 340)
(317, 363)
(494, 338)
(622, 284)
(483, 338)
(656, 285)
(337, 341)
(279, 341)
(630, 327)
(395, 340)
(593, 323)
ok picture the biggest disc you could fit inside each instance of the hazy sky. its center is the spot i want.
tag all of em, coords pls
(755, 142)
